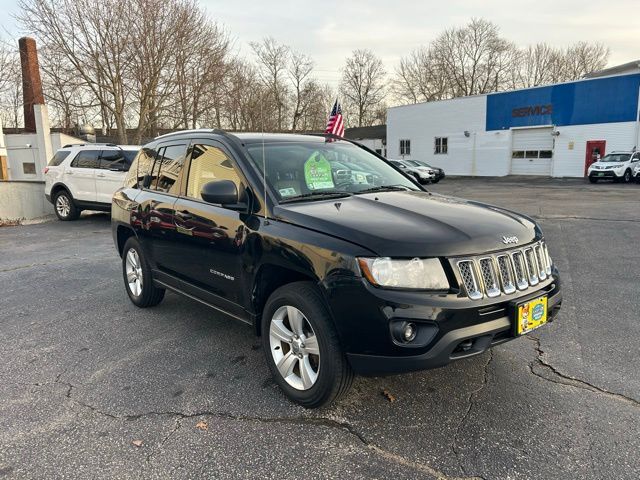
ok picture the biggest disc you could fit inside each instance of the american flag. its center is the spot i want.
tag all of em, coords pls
(335, 125)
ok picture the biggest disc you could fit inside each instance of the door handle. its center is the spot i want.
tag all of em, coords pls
(184, 215)
(101, 175)
(69, 173)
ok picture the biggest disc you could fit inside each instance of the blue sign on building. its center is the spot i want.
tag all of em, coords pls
(600, 100)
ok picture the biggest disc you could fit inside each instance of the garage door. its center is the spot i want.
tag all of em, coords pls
(532, 151)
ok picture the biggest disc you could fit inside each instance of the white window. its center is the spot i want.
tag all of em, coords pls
(440, 145)
(405, 147)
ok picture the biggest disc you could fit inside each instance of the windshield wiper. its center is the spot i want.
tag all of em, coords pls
(385, 188)
(316, 195)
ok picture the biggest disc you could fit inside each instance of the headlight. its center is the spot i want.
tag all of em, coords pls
(418, 273)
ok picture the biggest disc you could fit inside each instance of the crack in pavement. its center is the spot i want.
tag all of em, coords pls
(470, 402)
(567, 380)
(306, 421)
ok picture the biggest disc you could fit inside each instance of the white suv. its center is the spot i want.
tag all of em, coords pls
(85, 177)
(616, 166)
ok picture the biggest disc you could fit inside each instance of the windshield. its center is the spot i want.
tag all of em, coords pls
(297, 170)
(616, 157)
(413, 163)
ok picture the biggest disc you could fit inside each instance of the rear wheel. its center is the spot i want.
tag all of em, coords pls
(64, 207)
(301, 346)
(138, 279)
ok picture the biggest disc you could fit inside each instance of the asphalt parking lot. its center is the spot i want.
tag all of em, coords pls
(92, 387)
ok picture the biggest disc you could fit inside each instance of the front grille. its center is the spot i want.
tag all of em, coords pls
(470, 279)
(489, 277)
(504, 272)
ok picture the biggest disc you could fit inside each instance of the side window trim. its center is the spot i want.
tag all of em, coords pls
(230, 156)
(160, 151)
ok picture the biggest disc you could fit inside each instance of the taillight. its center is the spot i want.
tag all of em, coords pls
(46, 169)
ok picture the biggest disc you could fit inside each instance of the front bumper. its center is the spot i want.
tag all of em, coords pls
(604, 174)
(48, 197)
(461, 327)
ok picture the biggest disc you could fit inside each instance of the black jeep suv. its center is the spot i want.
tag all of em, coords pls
(362, 272)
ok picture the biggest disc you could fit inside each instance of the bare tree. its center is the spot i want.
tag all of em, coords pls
(10, 86)
(98, 45)
(582, 58)
(420, 78)
(273, 59)
(363, 85)
(201, 68)
(475, 59)
(300, 68)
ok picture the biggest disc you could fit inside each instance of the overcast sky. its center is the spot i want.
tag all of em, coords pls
(329, 30)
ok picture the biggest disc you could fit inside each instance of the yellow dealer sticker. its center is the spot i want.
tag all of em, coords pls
(531, 315)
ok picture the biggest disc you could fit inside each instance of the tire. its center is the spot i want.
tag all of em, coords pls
(138, 279)
(64, 206)
(328, 374)
(435, 180)
(627, 176)
(593, 180)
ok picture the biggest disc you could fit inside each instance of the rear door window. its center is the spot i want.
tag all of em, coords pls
(167, 168)
(113, 160)
(87, 159)
(58, 158)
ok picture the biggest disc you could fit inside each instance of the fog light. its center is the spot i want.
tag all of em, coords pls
(409, 332)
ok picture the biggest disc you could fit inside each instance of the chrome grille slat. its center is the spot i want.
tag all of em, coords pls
(532, 266)
(489, 277)
(504, 272)
(542, 269)
(521, 276)
(470, 279)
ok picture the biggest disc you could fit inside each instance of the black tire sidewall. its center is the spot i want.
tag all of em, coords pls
(331, 356)
(73, 211)
(149, 294)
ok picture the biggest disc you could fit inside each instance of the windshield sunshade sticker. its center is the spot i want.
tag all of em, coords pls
(317, 172)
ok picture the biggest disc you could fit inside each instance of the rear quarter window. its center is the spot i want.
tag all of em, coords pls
(58, 158)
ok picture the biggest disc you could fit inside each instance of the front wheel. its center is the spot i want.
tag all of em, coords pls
(593, 180)
(137, 275)
(627, 176)
(301, 346)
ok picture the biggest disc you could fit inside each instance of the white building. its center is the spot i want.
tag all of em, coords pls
(554, 130)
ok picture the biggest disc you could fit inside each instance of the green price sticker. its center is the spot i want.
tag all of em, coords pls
(317, 172)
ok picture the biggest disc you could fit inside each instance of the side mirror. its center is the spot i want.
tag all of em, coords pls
(223, 192)
(146, 181)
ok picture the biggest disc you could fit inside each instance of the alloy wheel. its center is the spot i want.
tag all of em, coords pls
(63, 206)
(133, 269)
(294, 347)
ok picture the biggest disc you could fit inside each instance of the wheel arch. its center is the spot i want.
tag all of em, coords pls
(123, 233)
(267, 280)
(57, 188)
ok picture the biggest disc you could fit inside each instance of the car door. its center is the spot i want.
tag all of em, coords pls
(80, 175)
(212, 237)
(635, 161)
(159, 175)
(110, 174)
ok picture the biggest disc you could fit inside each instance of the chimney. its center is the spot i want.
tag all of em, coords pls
(31, 83)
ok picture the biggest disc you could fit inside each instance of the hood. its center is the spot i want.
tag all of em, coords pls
(412, 224)
(606, 165)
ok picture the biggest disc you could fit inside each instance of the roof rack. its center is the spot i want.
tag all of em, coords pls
(217, 131)
(85, 144)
